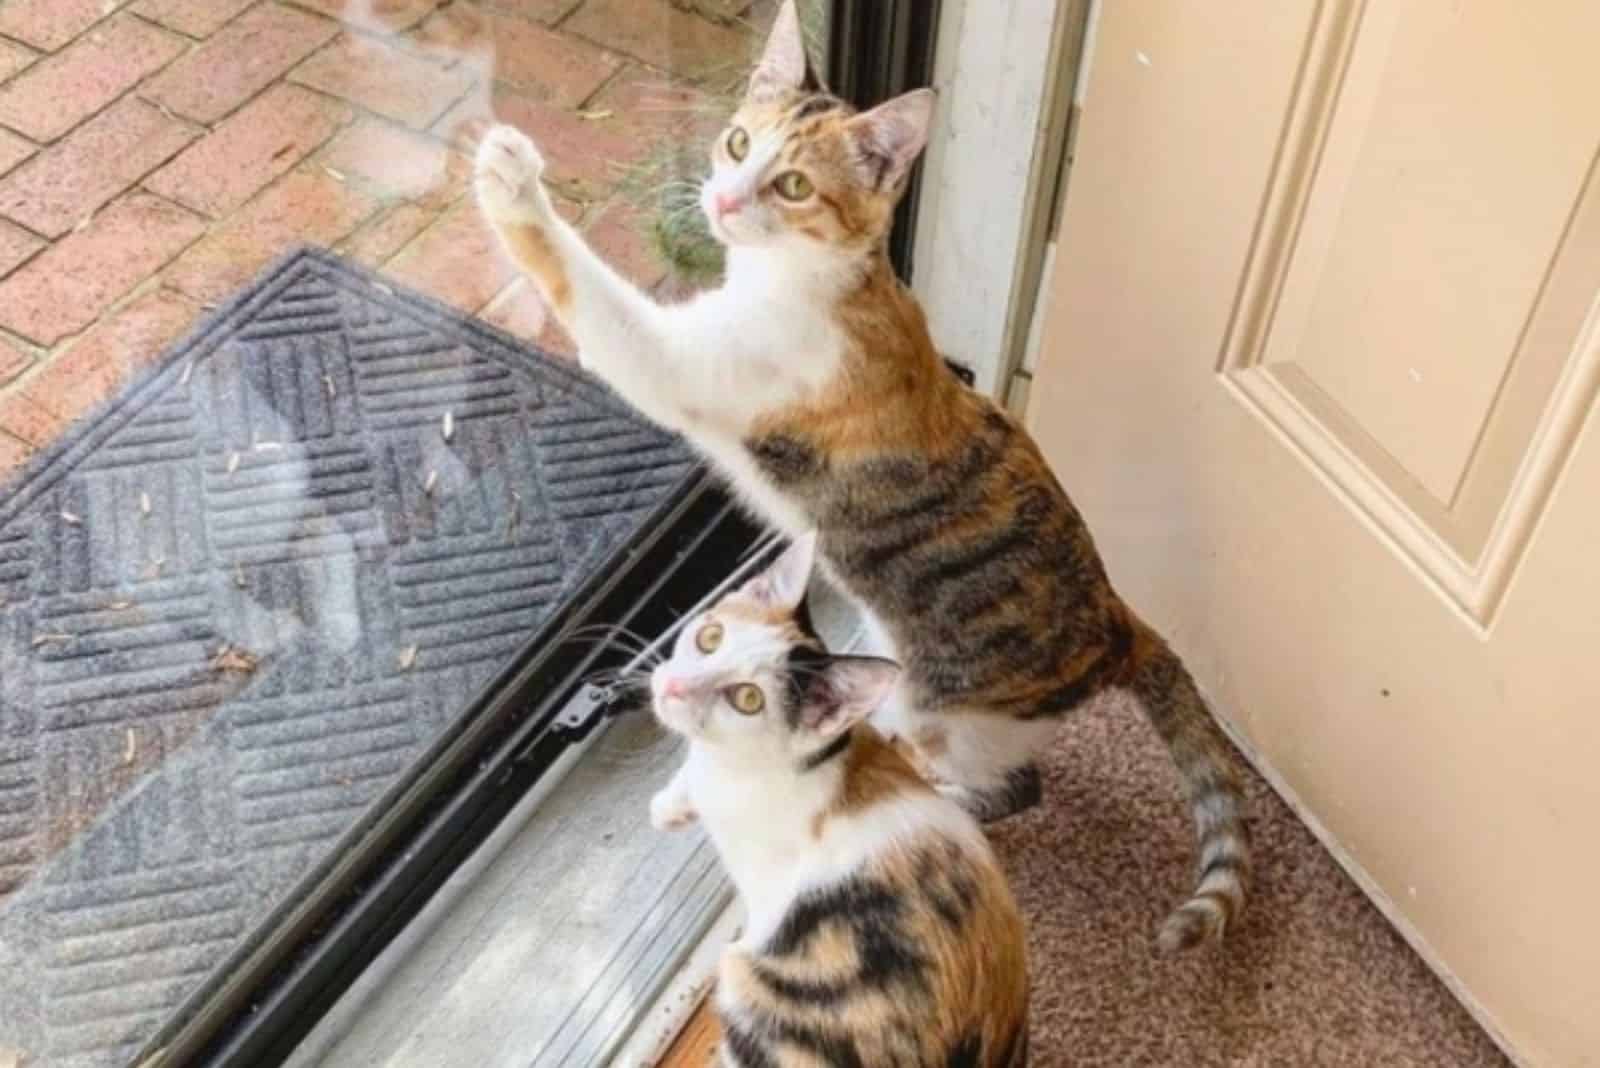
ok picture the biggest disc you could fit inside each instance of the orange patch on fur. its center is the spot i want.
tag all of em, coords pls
(536, 254)
(931, 742)
(874, 770)
(749, 609)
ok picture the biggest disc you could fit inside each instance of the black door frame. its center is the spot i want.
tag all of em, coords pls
(266, 998)
(878, 49)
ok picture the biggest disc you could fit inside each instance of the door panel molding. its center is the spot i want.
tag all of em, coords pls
(1467, 543)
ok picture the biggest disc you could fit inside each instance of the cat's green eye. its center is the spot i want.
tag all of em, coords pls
(747, 698)
(708, 638)
(738, 143)
(792, 185)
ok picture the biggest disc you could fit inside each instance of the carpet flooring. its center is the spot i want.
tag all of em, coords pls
(1314, 975)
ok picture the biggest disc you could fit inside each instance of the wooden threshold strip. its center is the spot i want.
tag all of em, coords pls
(696, 1044)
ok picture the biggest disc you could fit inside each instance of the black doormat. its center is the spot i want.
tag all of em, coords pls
(237, 602)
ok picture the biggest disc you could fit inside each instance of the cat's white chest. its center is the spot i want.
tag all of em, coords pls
(754, 489)
(767, 357)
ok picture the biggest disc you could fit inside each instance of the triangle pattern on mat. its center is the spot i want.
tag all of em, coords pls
(365, 503)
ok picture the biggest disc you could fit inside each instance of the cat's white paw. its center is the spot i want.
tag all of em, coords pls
(671, 811)
(508, 177)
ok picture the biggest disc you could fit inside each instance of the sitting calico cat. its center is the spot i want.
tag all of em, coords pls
(810, 381)
(879, 928)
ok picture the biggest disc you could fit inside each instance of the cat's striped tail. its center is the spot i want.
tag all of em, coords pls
(1207, 765)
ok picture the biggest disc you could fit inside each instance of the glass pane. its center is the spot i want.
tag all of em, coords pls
(255, 558)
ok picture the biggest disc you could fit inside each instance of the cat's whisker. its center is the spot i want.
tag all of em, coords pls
(613, 631)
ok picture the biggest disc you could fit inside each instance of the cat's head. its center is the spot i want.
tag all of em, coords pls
(798, 167)
(751, 680)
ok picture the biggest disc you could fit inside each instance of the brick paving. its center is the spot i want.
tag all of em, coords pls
(154, 154)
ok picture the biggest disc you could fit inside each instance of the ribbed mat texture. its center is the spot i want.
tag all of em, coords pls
(240, 600)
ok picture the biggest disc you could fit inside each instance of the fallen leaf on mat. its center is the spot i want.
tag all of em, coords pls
(230, 659)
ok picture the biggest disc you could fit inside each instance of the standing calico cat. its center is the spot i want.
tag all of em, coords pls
(880, 930)
(809, 379)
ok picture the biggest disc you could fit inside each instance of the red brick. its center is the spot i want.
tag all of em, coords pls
(655, 107)
(397, 163)
(460, 261)
(619, 234)
(587, 158)
(94, 367)
(49, 24)
(22, 418)
(520, 311)
(549, 12)
(16, 245)
(65, 184)
(717, 10)
(56, 94)
(13, 361)
(374, 16)
(13, 58)
(378, 242)
(385, 79)
(306, 205)
(265, 138)
(545, 64)
(664, 36)
(197, 18)
(675, 289)
(65, 288)
(244, 57)
(13, 150)
(13, 454)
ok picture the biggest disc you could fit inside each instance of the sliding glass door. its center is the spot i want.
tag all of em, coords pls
(298, 603)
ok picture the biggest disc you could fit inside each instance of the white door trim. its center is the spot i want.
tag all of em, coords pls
(1005, 70)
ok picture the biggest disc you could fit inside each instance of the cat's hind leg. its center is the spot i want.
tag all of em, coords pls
(985, 763)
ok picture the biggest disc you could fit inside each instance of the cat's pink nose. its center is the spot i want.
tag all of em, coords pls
(727, 205)
(673, 688)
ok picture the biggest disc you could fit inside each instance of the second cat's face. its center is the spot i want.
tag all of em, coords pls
(748, 678)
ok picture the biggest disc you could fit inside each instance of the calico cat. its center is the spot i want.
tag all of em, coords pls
(809, 380)
(880, 930)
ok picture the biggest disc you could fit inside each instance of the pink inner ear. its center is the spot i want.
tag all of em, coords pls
(892, 135)
(821, 702)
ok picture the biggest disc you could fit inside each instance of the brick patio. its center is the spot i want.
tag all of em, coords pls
(154, 154)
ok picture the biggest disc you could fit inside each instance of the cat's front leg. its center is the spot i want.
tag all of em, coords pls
(512, 196)
(671, 809)
(621, 332)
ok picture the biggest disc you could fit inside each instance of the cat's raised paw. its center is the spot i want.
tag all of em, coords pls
(671, 811)
(508, 172)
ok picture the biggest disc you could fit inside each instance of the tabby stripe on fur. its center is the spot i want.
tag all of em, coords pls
(995, 597)
(810, 380)
(869, 947)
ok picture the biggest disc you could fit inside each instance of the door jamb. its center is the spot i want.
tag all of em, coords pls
(994, 172)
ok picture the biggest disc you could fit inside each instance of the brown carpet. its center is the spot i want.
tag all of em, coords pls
(1313, 975)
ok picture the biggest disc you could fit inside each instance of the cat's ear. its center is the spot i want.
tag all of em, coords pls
(784, 64)
(783, 585)
(846, 691)
(888, 139)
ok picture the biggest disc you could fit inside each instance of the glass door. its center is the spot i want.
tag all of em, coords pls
(302, 569)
